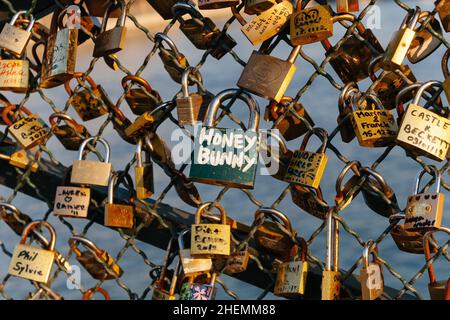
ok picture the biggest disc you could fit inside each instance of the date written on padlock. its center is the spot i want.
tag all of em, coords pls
(374, 127)
(72, 202)
(29, 131)
(14, 75)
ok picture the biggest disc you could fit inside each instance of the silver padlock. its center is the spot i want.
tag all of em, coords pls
(14, 39)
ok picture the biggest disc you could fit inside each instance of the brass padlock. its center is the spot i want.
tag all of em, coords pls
(173, 60)
(210, 240)
(241, 144)
(71, 134)
(118, 215)
(345, 112)
(373, 127)
(191, 265)
(98, 8)
(238, 260)
(90, 102)
(15, 75)
(192, 107)
(307, 168)
(423, 132)
(401, 41)
(292, 275)
(294, 122)
(270, 237)
(113, 40)
(97, 262)
(92, 172)
(268, 76)
(311, 24)
(310, 201)
(424, 210)
(60, 57)
(260, 29)
(142, 99)
(439, 290)
(331, 285)
(90, 293)
(424, 43)
(347, 5)
(72, 202)
(371, 274)
(258, 6)
(144, 122)
(15, 39)
(16, 220)
(443, 9)
(33, 263)
(160, 290)
(28, 131)
(19, 159)
(163, 7)
(216, 4)
(143, 173)
(446, 72)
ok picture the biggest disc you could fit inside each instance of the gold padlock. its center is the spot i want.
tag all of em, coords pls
(310, 201)
(216, 4)
(173, 60)
(311, 24)
(118, 215)
(346, 193)
(191, 266)
(15, 39)
(14, 75)
(371, 275)
(142, 99)
(160, 291)
(143, 173)
(238, 260)
(446, 72)
(331, 285)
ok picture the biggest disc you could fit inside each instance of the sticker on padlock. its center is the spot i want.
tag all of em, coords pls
(194, 290)
(14, 75)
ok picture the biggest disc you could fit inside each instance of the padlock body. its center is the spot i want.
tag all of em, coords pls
(272, 239)
(192, 109)
(267, 76)
(306, 168)
(407, 241)
(237, 262)
(96, 269)
(258, 6)
(20, 160)
(374, 128)
(347, 5)
(291, 279)
(200, 34)
(443, 9)
(216, 4)
(194, 266)
(98, 8)
(14, 75)
(119, 216)
(163, 7)
(425, 133)
(160, 294)
(173, 65)
(331, 285)
(14, 39)
(110, 42)
(145, 186)
(72, 202)
(424, 211)
(397, 49)
(377, 204)
(446, 86)
(140, 102)
(210, 240)
(89, 172)
(437, 290)
(29, 131)
(88, 106)
(291, 127)
(68, 136)
(306, 201)
(31, 263)
(142, 123)
(311, 25)
(372, 282)
(424, 43)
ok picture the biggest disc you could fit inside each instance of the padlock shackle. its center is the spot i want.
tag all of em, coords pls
(369, 248)
(18, 14)
(411, 19)
(444, 64)
(111, 185)
(8, 206)
(181, 8)
(75, 240)
(204, 206)
(120, 21)
(160, 37)
(89, 293)
(162, 275)
(427, 251)
(354, 165)
(230, 94)
(319, 132)
(332, 254)
(139, 144)
(343, 17)
(40, 223)
(173, 282)
(136, 80)
(356, 98)
(372, 65)
(304, 251)
(278, 215)
(80, 75)
(425, 86)
(350, 88)
(437, 175)
(181, 238)
(185, 80)
(8, 110)
(99, 139)
(378, 177)
(54, 117)
(399, 98)
(282, 143)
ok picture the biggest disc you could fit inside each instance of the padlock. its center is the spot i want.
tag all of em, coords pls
(199, 290)
(292, 275)
(142, 99)
(373, 127)
(113, 40)
(71, 134)
(293, 123)
(15, 75)
(216, 4)
(424, 210)
(143, 173)
(90, 293)
(443, 9)
(401, 41)
(424, 43)
(30, 262)
(439, 290)
(310, 200)
(345, 193)
(89, 103)
(60, 57)
(390, 83)
(173, 60)
(97, 262)
(19, 159)
(144, 122)
(307, 168)
(311, 24)
(16, 220)
(331, 285)
(191, 107)
(268, 76)
(98, 8)
(160, 291)
(446, 72)
(373, 199)
(191, 265)
(15, 39)
(267, 24)
(347, 5)
(351, 59)
(371, 274)
(232, 172)
(163, 7)
(72, 202)
(202, 31)
(118, 215)
(258, 6)
(89, 172)
(28, 131)
(345, 112)
(270, 237)
(423, 132)
(238, 260)
(210, 240)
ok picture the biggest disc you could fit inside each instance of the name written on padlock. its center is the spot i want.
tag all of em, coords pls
(306, 168)
(29, 131)
(14, 73)
(424, 211)
(72, 202)
(374, 126)
(310, 21)
(291, 278)
(210, 239)
(31, 263)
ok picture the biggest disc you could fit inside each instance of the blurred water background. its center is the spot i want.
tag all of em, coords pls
(321, 103)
